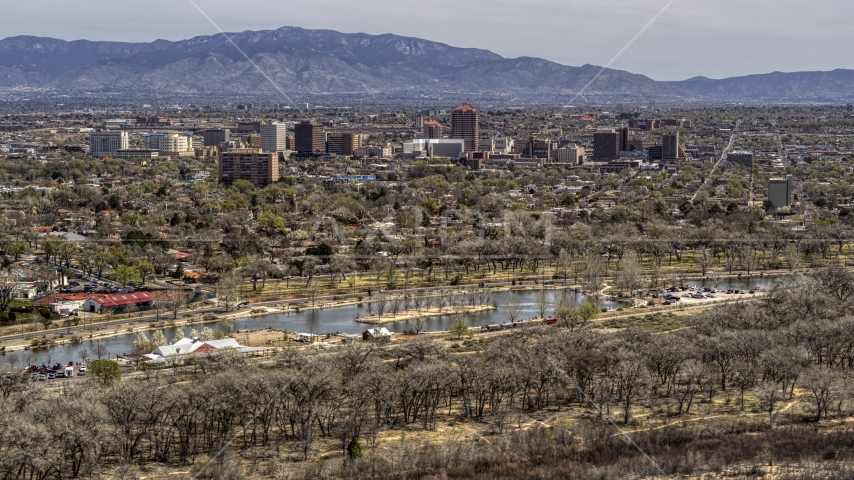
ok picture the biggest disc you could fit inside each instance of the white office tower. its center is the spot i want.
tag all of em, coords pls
(274, 137)
(103, 144)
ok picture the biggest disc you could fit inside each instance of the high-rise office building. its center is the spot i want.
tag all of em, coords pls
(335, 143)
(670, 146)
(214, 137)
(535, 148)
(432, 130)
(624, 138)
(248, 164)
(274, 137)
(343, 143)
(465, 125)
(606, 146)
(106, 143)
(780, 191)
(419, 122)
(308, 137)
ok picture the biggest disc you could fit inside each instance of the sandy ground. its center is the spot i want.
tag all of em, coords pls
(422, 313)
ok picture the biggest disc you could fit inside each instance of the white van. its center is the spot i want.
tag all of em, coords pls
(69, 372)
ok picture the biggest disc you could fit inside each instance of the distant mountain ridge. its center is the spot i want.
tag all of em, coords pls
(836, 85)
(330, 62)
(299, 60)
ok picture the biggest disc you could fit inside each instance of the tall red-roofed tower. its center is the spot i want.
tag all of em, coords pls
(432, 129)
(465, 125)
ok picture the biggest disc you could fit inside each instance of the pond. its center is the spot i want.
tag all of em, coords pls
(330, 320)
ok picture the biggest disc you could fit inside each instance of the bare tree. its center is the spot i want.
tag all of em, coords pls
(228, 290)
(396, 304)
(629, 273)
(544, 302)
(101, 351)
(512, 308)
(749, 258)
(418, 325)
(593, 271)
(793, 256)
(8, 288)
(821, 387)
(770, 395)
(381, 306)
(632, 379)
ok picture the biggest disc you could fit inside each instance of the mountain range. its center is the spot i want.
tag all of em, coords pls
(328, 62)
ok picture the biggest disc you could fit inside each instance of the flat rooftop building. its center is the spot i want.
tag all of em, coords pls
(105, 144)
(248, 164)
(741, 158)
(780, 191)
(274, 137)
(606, 146)
(308, 137)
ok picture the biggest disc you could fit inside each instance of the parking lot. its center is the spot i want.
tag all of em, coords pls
(46, 373)
(673, 295)
(85, 284)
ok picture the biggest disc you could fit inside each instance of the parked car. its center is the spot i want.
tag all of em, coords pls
(242, 304)
(81, 371)
(51, 375)
(42, 377)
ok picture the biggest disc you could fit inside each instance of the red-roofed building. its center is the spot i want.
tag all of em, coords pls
(465, 125)
(432, 129)
(119, 302)
(112, 303)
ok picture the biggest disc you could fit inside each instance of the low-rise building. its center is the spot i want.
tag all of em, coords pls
(136, 153)
(374, 151)
(428, 147)
(743, 158)
(194, 346)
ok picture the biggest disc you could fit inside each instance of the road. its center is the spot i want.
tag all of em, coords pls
(722, 159)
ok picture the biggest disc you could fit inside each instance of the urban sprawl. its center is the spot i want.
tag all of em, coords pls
(456, 291)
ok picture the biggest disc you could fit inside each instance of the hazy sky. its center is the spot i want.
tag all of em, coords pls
(714, 38)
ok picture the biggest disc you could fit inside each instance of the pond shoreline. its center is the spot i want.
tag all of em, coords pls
(281, 315)
(408, 315)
